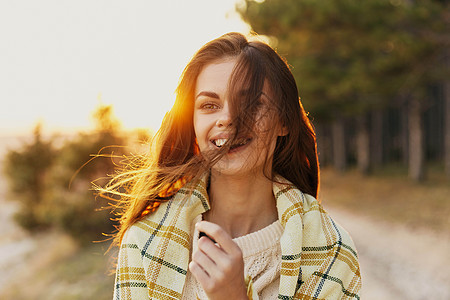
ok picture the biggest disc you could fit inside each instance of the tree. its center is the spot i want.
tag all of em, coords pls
(352, 57)
(27, 170)
(53, 185)
(85, 158)
(447, 120)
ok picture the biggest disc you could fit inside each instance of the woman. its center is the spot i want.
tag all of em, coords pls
(225, 206)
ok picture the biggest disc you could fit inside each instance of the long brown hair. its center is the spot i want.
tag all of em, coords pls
(174, 158)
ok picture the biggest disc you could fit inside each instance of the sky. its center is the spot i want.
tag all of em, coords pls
(59, 59)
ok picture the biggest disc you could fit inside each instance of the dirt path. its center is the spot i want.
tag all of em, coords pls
(23, 256)
(397, 262)
(14, 243)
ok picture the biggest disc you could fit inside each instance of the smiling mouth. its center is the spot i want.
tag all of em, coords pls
(238, 143)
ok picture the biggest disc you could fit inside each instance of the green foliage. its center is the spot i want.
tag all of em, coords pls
(71, 204)
(352, 56)
(27, 167)
(53, 185)
(27, 170)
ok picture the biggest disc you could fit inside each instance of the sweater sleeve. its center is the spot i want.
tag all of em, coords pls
(130, 281)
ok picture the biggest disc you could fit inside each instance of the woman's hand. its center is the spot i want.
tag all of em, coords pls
(219, 268)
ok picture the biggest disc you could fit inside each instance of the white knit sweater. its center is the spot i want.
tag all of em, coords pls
(262, 261)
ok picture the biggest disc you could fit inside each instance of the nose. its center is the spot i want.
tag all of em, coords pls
(224, 118)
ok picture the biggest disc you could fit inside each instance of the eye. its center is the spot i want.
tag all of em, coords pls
(209, 106)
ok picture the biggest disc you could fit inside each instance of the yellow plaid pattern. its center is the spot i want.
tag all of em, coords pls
(319, 260)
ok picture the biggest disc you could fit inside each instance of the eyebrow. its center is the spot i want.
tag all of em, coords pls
(208, 94)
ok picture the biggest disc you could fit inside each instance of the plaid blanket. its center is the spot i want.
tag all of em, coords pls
(319, 260)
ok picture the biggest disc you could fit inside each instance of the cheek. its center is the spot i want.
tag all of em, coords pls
(197, 127)
(201, 132)
(266, 131)
(265, 128)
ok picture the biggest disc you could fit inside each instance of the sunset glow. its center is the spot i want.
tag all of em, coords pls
(61, 57)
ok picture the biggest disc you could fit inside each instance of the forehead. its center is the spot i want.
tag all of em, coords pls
(215, 76)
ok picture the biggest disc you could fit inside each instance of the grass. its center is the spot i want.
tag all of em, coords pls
(390, 196)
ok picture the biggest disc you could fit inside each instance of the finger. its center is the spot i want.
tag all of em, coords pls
(199, 273)
(212, 250)
(214, 269)
(219, 235)
(202, 234)
(204, 261)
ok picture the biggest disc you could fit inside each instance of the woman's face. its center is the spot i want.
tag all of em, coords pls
(212, 124)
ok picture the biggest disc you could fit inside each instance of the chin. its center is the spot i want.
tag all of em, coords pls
(235, 168)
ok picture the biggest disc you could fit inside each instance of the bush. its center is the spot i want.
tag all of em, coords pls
(27, 170)
(53, 185)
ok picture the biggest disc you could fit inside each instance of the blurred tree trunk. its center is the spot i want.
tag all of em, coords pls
(447, 128)
(363, 144)
(339, 147)
(447, 121)
(376, 138)
(416, 147)
(404, 134)
(323, 148)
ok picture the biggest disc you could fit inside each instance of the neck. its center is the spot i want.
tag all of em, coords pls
(241, 205)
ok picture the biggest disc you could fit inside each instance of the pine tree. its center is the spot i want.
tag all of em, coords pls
(352, 57)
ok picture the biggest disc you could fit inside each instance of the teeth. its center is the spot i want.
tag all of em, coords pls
(220, 142)
(239, 142)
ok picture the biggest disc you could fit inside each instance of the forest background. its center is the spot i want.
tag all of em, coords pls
(374, 77)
